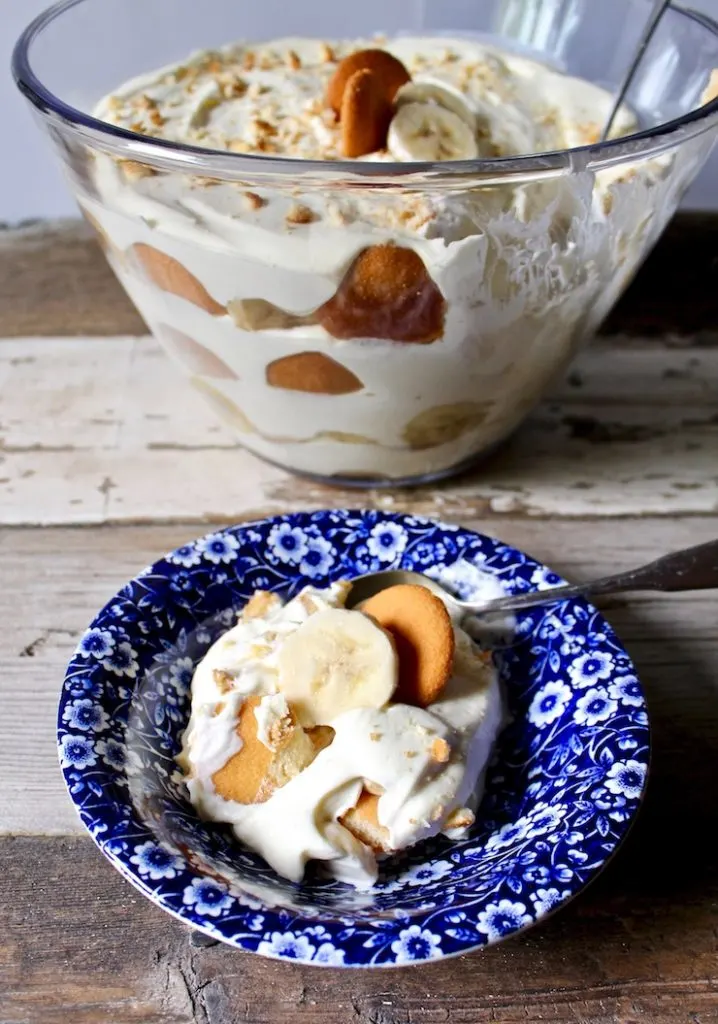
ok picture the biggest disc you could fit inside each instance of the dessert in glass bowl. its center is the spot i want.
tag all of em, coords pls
(321, 733)
(372, 255)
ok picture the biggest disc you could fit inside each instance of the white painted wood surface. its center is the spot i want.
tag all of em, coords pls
(103, 443)
(108, 432)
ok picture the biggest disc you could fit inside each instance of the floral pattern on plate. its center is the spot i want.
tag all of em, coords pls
(566, 777)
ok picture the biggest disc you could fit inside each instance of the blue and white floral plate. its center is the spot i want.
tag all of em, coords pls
(565, 781)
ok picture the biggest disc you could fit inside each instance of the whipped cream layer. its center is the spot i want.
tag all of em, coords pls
(527, 269)
(390, 747)
(270, 99)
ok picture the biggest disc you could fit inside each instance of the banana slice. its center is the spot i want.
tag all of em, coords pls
(337, 660)
(432, 90)
(426, 131)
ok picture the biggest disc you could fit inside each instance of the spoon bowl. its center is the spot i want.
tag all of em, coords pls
(364, 587)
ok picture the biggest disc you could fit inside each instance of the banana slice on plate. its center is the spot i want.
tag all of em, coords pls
(427, 131)
(432, 90)
(336, 661)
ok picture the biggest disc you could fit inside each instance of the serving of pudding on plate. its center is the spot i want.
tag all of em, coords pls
(341, 736)
(345, 321)
(269, 745)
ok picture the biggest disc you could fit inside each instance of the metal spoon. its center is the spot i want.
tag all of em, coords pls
(691, 569)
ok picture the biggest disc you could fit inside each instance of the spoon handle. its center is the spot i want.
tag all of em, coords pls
(691, 569)
(659, 9)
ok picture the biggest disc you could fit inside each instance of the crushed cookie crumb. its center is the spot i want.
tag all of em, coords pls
(440, 750)
(223, 680)
(234, 88)
(264, 127)
(485, 657)
(326, 53)
(249, 60)
(253, 201)
(375, 736)
(261, 602)
(410, 753)
(300, 214)
(462, 817)
(590, 133)
(267, 60)
(336, 215)
(307, 604)
(135, 171)
(314, 106)
(256, 90)
(218, 708)
(293, 60)
(280, 731)
(343, 588)
(437, 813)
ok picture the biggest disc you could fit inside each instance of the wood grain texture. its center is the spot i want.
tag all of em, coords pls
(54, 280)
(110, 432)
(54, 580)
(639, 946)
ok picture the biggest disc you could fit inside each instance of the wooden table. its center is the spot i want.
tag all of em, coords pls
(107, 460)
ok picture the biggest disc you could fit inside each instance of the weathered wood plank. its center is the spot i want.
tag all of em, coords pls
(632, 949)
(93, 433)
(54, 280)
(53, 581)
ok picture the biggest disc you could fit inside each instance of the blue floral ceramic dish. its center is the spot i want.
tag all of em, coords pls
(565, 781)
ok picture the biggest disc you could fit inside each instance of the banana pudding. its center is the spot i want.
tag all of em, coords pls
(384, 326)
(340, 736)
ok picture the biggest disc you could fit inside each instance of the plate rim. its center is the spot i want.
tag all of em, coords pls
(299, 921)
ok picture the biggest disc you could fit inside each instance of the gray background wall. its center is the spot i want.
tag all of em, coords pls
(31, 185)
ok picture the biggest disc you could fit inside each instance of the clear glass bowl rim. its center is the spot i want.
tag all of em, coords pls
(167, 155)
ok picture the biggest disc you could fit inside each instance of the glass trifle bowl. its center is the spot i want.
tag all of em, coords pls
(369, 294)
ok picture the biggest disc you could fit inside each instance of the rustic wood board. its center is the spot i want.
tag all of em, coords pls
(54, 279)
(77, 942)
(111, 433)
(80, 945)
